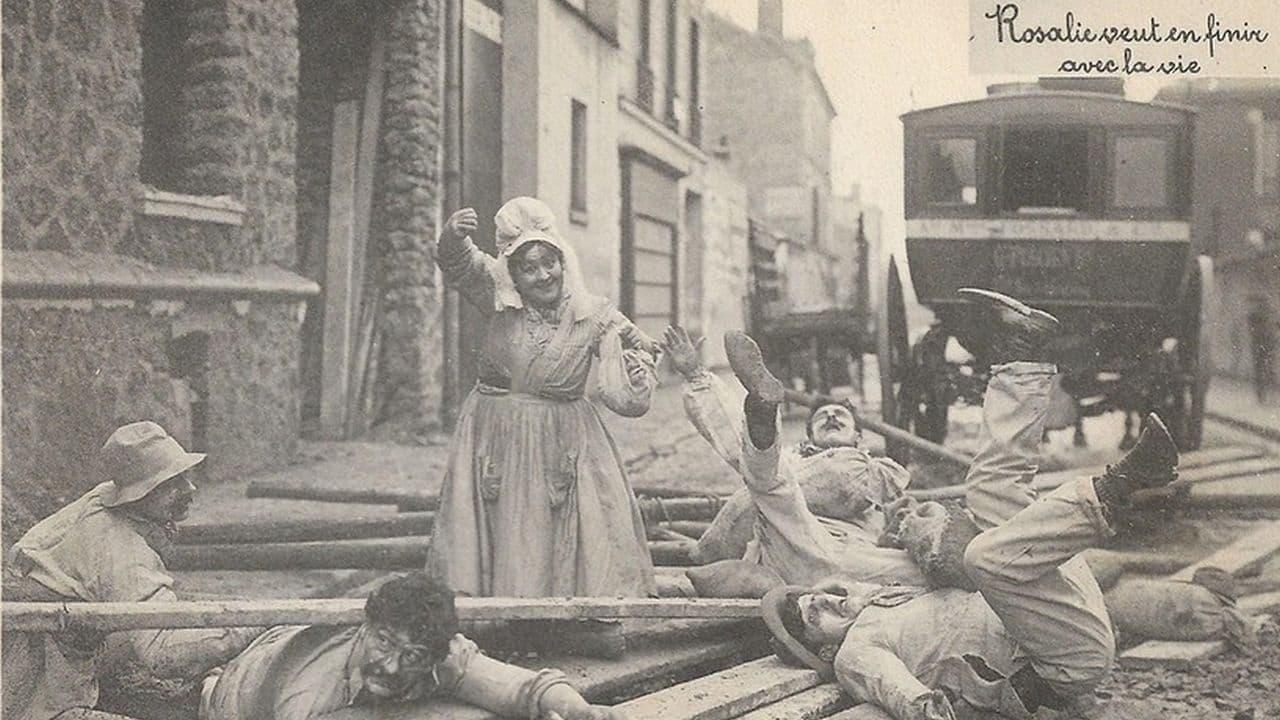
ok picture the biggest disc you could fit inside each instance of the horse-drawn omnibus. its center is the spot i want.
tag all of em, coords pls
(1076, 202)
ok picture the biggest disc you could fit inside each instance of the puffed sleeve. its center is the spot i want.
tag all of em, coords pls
(508, 690)
(627, 376)
(468, 270)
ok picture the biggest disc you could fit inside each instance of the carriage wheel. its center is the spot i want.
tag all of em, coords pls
(1193, 355)
(893, 355)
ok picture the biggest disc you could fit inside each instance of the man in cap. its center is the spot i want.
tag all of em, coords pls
(108, 546)
(819, 512)
(407, 652)
(1033, 630)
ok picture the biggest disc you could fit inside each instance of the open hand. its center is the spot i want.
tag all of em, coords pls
(462, 223)
(682, 350)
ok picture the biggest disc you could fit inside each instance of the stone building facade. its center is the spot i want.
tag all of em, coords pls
(1236, 208)
(764, 97)
(160, 175)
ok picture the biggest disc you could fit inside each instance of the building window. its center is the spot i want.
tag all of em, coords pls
(1045, 171)
(1266, 154)
(695, 81)
(951, 175)
(644, 71)
(163, 67)
(1141, 172)
(816, 238)
(672, 113)
(578, 159)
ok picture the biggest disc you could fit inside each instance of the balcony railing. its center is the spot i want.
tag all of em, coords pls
(644, 86)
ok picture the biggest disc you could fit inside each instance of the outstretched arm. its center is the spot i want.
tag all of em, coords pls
(465, 267)
(876, 675)
(707, 402)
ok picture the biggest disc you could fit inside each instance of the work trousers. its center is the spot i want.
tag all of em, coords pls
(1026, 561)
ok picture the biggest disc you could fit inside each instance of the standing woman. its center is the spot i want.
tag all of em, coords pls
(535, 501)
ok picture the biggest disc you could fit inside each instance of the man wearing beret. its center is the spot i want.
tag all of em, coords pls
(108, 546)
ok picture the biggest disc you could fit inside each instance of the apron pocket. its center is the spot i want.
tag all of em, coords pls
(562, 480)
(490, 481)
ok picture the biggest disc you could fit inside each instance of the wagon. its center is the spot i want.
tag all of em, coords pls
(1077, 202)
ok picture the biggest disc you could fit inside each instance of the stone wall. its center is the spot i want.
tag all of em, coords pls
(406, 201)
(72, 123)
(73, 136)
(77, 370)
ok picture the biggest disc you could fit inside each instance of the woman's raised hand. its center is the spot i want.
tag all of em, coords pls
(462, 223)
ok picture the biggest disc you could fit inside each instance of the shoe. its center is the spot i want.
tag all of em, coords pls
(1017, 330)
(748, 366)
(1153, 460)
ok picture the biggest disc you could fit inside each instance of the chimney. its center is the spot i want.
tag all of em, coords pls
(769, 17)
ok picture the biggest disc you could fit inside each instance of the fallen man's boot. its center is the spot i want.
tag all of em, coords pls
(1152, 463)
(748, 365)
(764, 391)
(1017, 331)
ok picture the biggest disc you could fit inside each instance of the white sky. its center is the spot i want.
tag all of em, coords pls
(879, 59)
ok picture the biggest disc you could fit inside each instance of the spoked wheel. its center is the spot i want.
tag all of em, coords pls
(893, 355)
(1192, 359)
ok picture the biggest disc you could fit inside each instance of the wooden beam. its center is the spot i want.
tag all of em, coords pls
(306, 529)
(380, 554)
(865, 711)
(723, 695)
(1194, 467)
(818, 702)
(690, 528)
(405, 501)
(1246, 552)
(1177, 654)
(339, 280)
(115, 617)
(657, 510)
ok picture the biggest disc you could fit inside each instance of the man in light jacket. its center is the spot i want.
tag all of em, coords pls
(107, 546)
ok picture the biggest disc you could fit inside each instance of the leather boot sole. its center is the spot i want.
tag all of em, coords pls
(748, 365)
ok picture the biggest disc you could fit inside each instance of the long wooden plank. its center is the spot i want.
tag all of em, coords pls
(1174, 654)
(811, 704)
(338, 285)
(401, 553)
(395, 553)
(1240, 555)
(723, 695)
(114, 617)
(1195, 466)
(306, 529)
(865, 711)
(301, 491)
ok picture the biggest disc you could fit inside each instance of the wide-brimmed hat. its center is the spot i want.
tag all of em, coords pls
(771, 609)
(137, 458)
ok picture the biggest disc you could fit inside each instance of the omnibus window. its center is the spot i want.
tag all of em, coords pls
(1045, 170)
(952, 172)
(1141, 172)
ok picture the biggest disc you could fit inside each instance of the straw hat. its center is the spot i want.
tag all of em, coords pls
(137, 458)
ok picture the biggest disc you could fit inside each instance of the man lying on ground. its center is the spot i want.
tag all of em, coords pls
(1036, 631)
(407, 651)
(108, 546)
(820, 512)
